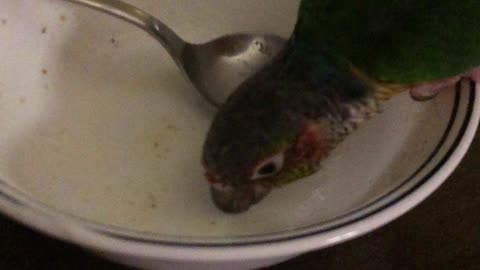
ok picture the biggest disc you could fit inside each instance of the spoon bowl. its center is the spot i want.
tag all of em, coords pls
(215, 68)
(218, 67)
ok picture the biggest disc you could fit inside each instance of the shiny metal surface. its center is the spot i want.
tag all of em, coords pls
(215, 68)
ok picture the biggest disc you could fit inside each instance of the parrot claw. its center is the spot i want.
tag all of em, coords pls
(421, 98)
(427, 91)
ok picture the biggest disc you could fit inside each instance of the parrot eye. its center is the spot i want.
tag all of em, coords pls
(268, 167)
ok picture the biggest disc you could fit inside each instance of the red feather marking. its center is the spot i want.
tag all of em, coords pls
(311, 144)
(212, 179)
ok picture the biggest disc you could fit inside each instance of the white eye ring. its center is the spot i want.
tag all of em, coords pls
(269, 167)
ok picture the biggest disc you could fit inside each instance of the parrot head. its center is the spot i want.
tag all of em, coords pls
(248, 152)
(275, 129)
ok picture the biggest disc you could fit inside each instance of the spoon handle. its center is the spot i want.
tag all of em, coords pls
(169, 39)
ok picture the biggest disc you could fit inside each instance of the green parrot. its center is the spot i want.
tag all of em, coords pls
(343, 59)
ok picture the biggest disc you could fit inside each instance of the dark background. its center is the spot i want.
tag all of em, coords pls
(443, 232)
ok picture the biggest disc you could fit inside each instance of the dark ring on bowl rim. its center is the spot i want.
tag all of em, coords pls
(123, 234)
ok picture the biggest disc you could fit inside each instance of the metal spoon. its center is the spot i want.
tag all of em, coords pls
(215, 68)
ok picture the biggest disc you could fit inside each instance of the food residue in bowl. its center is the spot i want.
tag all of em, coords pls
(115, 42)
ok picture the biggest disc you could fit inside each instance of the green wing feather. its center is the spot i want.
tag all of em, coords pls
(397, 41)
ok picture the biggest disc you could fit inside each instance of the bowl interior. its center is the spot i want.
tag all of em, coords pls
(97, 122)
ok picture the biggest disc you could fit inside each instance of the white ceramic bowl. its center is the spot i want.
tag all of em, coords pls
(101, 137)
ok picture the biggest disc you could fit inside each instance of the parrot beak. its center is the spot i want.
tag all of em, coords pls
(237, 199)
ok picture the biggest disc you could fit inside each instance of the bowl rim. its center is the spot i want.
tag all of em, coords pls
(116, 240)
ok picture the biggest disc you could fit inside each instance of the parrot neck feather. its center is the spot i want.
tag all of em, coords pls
(299, 56)
(352, 115)
(326, 59)
(382, 91)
